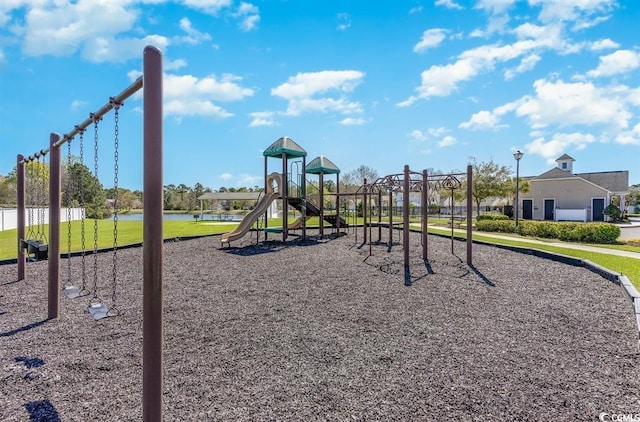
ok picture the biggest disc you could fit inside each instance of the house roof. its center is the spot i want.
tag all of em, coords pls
(322, 165)
(284, 145)
(613, 181)
(564, 157)
(554, 173)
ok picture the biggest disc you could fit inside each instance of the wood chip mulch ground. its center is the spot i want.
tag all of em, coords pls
(316, 330)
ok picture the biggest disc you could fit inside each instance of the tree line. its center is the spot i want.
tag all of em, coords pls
(80, 186)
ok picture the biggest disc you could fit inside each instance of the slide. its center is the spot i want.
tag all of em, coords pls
(249, 219)
(262, 206)
(298, 223)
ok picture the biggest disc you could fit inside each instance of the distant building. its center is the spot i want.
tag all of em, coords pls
(560, 194)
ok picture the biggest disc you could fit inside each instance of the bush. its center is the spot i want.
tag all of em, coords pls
(501, 226)
(613, 212)
(492, 217)
(573, 232)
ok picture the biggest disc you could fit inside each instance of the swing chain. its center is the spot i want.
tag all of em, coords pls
(30, 200)
(116, 202)
(96, 205)
(83, 212)
(68, 200)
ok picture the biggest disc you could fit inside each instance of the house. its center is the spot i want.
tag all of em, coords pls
(560, 194)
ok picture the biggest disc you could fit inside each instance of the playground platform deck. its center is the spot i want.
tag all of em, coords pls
(313, 331)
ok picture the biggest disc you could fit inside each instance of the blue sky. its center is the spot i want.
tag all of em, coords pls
(382, 83)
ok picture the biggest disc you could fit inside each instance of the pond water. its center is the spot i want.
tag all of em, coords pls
(188, 217)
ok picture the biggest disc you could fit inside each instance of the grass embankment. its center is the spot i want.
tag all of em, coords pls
(630, 267)
(130, 232)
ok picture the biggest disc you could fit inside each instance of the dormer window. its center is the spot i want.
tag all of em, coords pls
(565, 163)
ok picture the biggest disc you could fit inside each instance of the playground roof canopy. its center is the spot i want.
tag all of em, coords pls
(322, 165)
(284, 145)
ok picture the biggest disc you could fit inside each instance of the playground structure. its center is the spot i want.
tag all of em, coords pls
(405, 183)
(291, 189)
(152, 222)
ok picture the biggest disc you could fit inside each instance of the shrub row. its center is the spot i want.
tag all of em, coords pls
(572, 232)
(493, 217)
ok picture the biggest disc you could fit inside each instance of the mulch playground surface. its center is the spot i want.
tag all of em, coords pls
(314, 331)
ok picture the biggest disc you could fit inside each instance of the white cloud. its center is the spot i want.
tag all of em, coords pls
(414, 10)
(604, 44)
(564, 104)
(224, 88)
(308, 92)
(440, 81)
(431, 38)
(187, 95)
(526, 64)
(262, 118)
(120, 49)
(629, 137)
(558, 144)
(417, 135)
(249, 16)
(193, 107)
(482, 120)
(175, 65)
(352, 121)
(439, 131)
(77, 104)
(447, 141)
(449, 4)
(344, 22)
(211, 7)
(498, 15)
(621, 61)
(193, 36)
(226, 176)
(489, 120)
(64, 28)
(580, 11)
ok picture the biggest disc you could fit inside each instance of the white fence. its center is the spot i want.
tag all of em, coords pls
(565, 214)
(9, 216)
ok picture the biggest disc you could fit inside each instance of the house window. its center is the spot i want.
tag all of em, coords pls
(564, 166)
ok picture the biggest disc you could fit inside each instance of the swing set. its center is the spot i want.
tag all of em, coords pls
(97, 308)
(84, 285)
(35, 241)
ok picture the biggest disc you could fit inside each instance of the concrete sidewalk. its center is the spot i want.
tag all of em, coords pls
(527, 241)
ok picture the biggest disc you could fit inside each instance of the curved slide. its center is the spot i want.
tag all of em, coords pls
(298, 223)
(262, 206)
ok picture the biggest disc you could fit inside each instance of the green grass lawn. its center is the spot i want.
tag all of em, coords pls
(130, 232)
(627, 266)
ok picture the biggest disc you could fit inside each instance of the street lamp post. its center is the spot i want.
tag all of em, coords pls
(517, 155)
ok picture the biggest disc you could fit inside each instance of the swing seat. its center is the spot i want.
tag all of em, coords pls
(98, 311)
(36, 249)
(72, 292)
